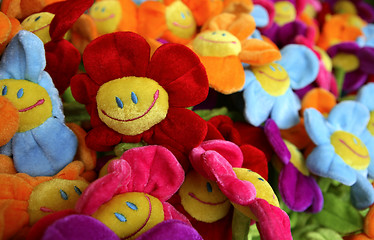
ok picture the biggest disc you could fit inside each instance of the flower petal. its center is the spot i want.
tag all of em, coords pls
(354, 80)
(366, 56)
(362, 193)
(258, 52)
(315, 126)
(275, 139)
(179, 71)
(323, 161)
(102, 138)
(301, 64)
(350, 116)
(286, 110)
(365, 96)
(116, 55)
(258, 104)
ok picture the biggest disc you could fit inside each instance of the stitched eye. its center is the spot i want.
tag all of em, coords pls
(209, 187)
(63, 194)
(183, 16)
(132, 205)
(261, 179)
(223, 34)
(4, 91)
(120, 217)
(36, 19)
(134, 98)
(103, 9)
(213, 33)
(119, 102)
(279, 68)
(272, 68)
(77, 190)
(20, 93)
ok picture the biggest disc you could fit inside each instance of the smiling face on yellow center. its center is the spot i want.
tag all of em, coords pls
(273, 78)
(38, 24)
(53, 196)
(179, 20)
(263, 190)
(130, 214)
(217, 44)
(285, 12)
(370, 125)
(31, 100)
(202, 198)
(132, 105)
(107, 15)
(351, 149)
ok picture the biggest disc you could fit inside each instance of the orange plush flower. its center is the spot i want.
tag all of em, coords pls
(9, 27)
(223, 46)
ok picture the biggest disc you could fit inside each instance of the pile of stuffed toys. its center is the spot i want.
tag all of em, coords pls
(187, 119)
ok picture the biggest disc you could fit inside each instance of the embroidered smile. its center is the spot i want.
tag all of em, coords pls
(146, 221)
(360, 155)
(273, 78)
(155, 97)
(214, 41)
(46, 210)
(39, 102)
(103, 19)
(182, 26)
(41, 28)
(208, 203)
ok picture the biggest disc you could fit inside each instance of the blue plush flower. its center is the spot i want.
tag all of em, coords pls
(43, 144)
(268, 90)
(344, 148)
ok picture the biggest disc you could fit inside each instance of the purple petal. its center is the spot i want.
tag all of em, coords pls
(344, 47)
(354, 80)
(366, 56)
(274, 137)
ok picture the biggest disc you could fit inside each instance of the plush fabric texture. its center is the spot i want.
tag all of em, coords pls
(9, 120)
(114, 16)
(171, 229)
(204, 10)
(183, 71)
(233, 30)
(79, 227)
(266, 98)
(10, 26)
(144, 177)
(83, 32)
(172, 21)
(36, 146)
(346, 121)
(22, 9)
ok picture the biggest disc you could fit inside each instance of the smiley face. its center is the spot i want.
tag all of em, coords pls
(263, 190)
(38, 24)
(54, 195)
(202, 198)
(31, 100)
(132, 105)
(217, 43)
(179, 20)
(351, 149)
(273, 78)
(285, 12)
(370, 125)
(130, 214)
(107, 16)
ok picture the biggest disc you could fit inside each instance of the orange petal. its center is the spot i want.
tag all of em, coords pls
(6, 165)
(151, 19)
(14, 187)
(369, 223)
(297, 135)
(129, 16)
(9, 120)
(360, 236)
(229, 5)
(258, 52)
(203, 10)
(225, 74)
(13, 217)
(83, 32)
(320, 99)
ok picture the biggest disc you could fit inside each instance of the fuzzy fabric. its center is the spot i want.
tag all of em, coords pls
(10, 27)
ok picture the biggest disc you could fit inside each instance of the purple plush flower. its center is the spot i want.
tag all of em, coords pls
(356, 61)
(359, 7)
(298, 189)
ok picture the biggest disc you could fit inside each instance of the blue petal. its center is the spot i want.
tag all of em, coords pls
(315, 126)
(286, 110)
(260, 15)
(301, 64)
(24, 58)
(248, 74)
(368, 31)
(323, 161)
(258, 104)
(350, 116)
(45, 150)
(366, 96)
(362, 193)
(368, 140)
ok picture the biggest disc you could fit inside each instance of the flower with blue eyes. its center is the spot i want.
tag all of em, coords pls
(268, 91)
(344, 148)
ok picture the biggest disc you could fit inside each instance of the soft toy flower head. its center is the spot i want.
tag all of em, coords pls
(141, 99)
(9, 27)
(144, 179)
(36, 145)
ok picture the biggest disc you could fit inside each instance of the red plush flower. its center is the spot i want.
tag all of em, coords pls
(131, 97)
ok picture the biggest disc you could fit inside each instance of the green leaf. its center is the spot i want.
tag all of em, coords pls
(339, 215)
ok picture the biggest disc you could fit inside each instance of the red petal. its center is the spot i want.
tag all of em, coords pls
(179, 71)
(182, 129)
(84, 90)
(116, 55)
(255, 160)
(102, 138)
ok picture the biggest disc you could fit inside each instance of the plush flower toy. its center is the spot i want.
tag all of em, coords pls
(132, 197)
(36, 147)
(223, 46)
(268, 91)
(9, 27)
(131, 98)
